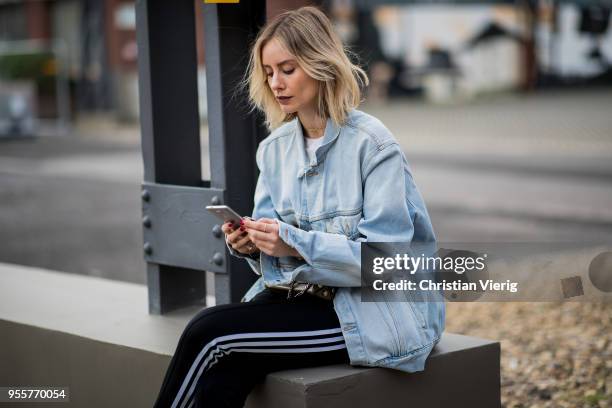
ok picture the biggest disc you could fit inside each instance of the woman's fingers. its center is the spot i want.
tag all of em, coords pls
(243, 241)
(225, 228)
(228, 228)
(236, 236)
(268, 221)
(232, 232)
(260, 237)
(263, 230)
(264, 225)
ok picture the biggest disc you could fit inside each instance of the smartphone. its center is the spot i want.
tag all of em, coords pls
(225, 213)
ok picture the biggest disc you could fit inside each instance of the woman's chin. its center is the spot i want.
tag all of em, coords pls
(287, 109)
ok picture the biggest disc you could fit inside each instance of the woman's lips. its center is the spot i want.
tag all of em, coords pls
(283, 100)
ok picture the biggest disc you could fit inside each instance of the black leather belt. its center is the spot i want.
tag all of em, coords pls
(296, 289)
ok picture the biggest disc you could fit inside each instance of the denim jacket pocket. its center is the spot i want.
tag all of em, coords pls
(407, 318)
(393, 324)
(405, 303)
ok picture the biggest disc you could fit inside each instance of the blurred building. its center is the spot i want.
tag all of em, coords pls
(487, 46)
(94, 43)
(97, 40)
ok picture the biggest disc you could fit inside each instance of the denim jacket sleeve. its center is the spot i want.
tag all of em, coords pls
(333, 259)
(263, 207)
(252, 261)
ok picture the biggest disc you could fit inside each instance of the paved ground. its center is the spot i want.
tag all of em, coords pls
(507, 168)
(512, 168)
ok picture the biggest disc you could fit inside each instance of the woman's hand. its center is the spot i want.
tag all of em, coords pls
(264, 234)
(238, 239)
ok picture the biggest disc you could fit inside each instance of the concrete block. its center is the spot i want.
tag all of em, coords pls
(462, 371)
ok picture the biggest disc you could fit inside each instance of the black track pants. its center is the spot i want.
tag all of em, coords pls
(226, 350)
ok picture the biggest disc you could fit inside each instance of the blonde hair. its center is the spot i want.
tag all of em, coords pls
(308, 35)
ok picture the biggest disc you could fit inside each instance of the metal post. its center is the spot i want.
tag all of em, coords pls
(170, 129)
(233, 133)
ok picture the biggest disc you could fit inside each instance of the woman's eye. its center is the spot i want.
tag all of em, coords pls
(288, 72)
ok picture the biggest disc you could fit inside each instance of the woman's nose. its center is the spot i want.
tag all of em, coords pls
(276, 83)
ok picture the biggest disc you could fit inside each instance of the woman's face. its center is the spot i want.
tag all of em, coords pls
(294, 90)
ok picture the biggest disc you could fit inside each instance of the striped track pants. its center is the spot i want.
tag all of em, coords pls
(226, 350)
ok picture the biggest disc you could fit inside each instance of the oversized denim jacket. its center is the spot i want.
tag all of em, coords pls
(358, 188)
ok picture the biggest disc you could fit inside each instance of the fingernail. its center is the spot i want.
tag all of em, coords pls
(242, 229)
(241, 222)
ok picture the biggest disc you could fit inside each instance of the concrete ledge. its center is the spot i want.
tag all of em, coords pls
(91, 334)
(98, 374)
(101, 309)
(462, 371)
(96, 337)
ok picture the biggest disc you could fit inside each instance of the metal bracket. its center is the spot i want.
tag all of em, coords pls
(179, 231)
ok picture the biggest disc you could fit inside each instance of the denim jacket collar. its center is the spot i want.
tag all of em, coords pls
(329, 137)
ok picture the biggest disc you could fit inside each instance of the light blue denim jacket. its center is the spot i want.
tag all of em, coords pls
(358, 188)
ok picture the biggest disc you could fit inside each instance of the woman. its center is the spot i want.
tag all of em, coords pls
(330, 177)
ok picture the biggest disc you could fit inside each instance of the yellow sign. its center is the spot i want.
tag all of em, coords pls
(221, 1)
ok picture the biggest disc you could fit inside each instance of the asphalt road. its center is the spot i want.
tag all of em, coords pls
(53, 216)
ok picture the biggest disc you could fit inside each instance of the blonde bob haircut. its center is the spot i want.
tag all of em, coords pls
(308, 35)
